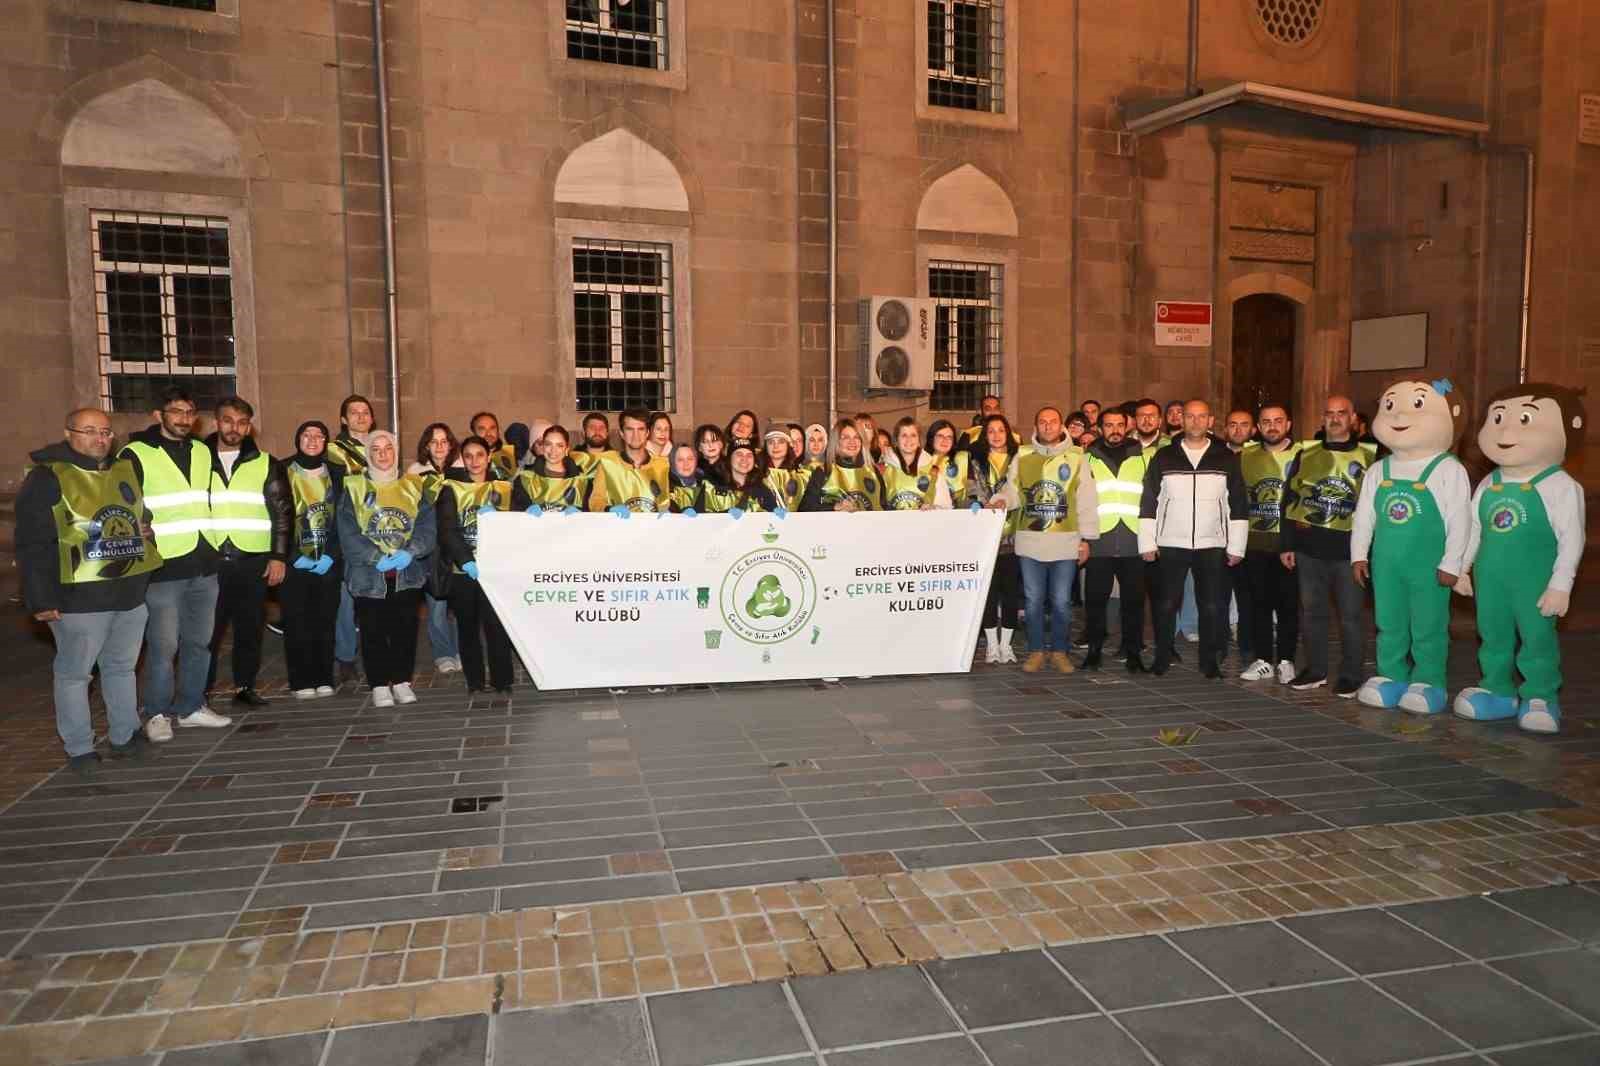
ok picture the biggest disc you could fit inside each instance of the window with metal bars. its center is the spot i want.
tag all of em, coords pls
(968, 332)
(623, 326)
(629, 33)
(163, 287)
(187, 5)
(966, 54)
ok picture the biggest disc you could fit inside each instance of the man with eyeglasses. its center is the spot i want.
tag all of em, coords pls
(86, 552)
(174, 473)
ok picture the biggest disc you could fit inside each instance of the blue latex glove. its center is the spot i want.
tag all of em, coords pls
(488, 508)
(569, 509)
(536, 509)
(781, 513)
(975, 507)
(735, 513)
(470, 569)
(305, 563)
(690, 511)
(324, 564)
(621, 510)
(398, 561)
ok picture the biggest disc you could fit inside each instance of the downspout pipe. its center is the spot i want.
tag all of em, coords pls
(833, 227)
(1191, 76)
(391, 313)
(1527, 260)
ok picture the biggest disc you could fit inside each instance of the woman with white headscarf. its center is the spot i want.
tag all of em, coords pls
(387, 533)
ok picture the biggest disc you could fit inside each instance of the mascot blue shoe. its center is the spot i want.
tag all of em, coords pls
(1540, 716)
(1381, 692)
(1481, 705)
(1424, 699)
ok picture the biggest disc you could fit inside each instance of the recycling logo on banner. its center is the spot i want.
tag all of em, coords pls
(768, 595)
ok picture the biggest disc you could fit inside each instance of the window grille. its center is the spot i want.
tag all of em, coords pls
(623, 325)
(966, 54)
(629, 33)
(968, 332)
(187, 5)
(163, 289)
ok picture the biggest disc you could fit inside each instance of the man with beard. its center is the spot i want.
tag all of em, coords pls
(1237, 431)
(1117, 462)
(502, 455)
(252, 518)
(596, 443)
(1273, 588)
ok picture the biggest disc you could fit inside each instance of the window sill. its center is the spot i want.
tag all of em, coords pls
(224, 21)
(569, 69)
(960, 116)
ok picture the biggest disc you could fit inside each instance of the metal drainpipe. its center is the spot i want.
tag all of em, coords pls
(1527, 261)
(1191, 78)
(391, 322)
(833, 231)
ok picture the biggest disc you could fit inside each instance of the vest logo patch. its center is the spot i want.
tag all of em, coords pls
(1505, 516)
(1400, 508)
(313, 526)
(905, 500)
(113, 533)
(1266, 503)
(922, 484)
(1331, 499)
(768, 596)
(389, 527)
(1047, 503)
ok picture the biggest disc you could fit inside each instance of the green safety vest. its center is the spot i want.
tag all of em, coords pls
(239, 506)
(470, 496)
(313, 516)
(556, 493)
(385, 514)
(642, 489)
(1120, 490)
(857, 483)
(903, 491)
(788, 486)
(179, 505)
(1327, 485)
(1049, 488)
(99, 524)
(1264, 473)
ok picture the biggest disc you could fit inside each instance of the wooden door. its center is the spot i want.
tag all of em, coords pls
(1263, 352)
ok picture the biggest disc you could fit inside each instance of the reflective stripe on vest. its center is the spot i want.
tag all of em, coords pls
(180, 507)
(1120, 491)
(239, 507)
(98, 519)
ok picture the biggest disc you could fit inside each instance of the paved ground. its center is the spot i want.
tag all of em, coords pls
(824, 866)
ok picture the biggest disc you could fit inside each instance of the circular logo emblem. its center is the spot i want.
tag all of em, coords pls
(314, 525)
(905, 500)
(768, 596)
(113, 533)
(1400, 510)
(1047, 503)
(868, 484)
(1504, 517)
(1266, 503)
(1330, 499)
(922, 484)
(389, 527)
(951, 470)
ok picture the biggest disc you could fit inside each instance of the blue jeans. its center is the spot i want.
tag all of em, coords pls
(182, 619)
(344, 627)
(111, 638)
(442, 630)
(1055, 581)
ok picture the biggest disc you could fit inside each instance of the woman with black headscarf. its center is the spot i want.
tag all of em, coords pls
(309, 594)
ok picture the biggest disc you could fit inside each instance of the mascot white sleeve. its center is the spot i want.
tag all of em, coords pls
(1526, 539)
(1419, 499)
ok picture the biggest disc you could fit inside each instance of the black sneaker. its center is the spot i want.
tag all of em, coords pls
(1212, 672)
(1134, 664)
(1161, 665)
(1346, 689)
(248, 697)
(1092, 660)
(86, 765)
(137, 748)
(1305, 679)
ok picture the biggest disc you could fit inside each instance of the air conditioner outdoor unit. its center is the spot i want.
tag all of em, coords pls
(897, 343)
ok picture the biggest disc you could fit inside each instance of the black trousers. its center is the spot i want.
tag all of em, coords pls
(1210, 596)
(1274, 596)
(242, 604)
(1238, 586)
(310, 610)
(1005, 593)
(1128, 572)
(479, 629)
(389, 636)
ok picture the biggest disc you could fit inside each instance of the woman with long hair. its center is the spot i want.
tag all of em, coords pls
(850, 482)
(993, 468)
(742, 427)
(460, 505)
(387, 532)
(309, 595)
(783, 475)
(743, 491)
(951, 461)
(553, 480)
(912, 479)
(712, 447)
(660, 439)
(439, 460)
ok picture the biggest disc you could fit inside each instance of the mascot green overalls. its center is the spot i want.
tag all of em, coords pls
(1413, 513)
(1525, 541)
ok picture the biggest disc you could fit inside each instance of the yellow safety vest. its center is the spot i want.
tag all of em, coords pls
(720, 499)
(1049, 488)
(349, 454)
(239, 506)
(1264, 473)
(642, 489)
(1120, 491)
(904, 491)
(557, 493)
(385, 514)
(470, 496)
(313, 516)
(587, 461)
(179, 505)
(788, 486)
(681, 497)
(99, 524)
(954, 467)
(503, 462)
(1327, 485)
(858, 483)
(988, 479)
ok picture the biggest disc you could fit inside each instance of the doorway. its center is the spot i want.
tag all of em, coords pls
(1263, 352)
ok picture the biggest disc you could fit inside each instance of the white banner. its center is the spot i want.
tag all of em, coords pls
(592, 599)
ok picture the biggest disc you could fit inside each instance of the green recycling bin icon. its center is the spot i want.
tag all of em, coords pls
(713, 639)
(702, 597)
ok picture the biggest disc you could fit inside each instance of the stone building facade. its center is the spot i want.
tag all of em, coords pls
(600, 202)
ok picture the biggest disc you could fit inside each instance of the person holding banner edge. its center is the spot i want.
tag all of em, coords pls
(460, 504)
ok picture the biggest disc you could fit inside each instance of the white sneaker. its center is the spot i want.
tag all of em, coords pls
(382, 697)
(1285, 671)
(403, 693)
(305, 693)
(1192, 638)
(991, 646)
(158, 728)
(446, 665)
(206, 718)
(1259, 670)
(324, 690)
(1008, 653)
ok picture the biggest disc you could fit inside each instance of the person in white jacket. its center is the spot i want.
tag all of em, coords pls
(1194, 516)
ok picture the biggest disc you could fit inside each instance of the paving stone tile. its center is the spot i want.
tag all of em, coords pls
(1483, 1008)
(724, 1024)
(1479, 928)
(1569, 909)
(611, 888)
(1371, 941)
(438, 904)
(461, 1041)
(1081, 1042)
(947, 1051)
(736, 834)
(304, 1049)
(722, 855)
(1582, 1051)
(988, 990)
(1571, 978)
(126, 934)
(1135, 972)
(1112, 840)
(1350, 1024)
(760, 873)
(1218, 1033)
(309, 892)
(143, 908)
(871, 1006)
(1256, 956)
(988, 851)
(530, 873)
(610, 1033)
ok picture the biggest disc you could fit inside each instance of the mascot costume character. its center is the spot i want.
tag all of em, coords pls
(1414, 514)
(1525, 541)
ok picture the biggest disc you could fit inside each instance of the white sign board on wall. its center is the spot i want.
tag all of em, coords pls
(1183, 324)
(1393, 342)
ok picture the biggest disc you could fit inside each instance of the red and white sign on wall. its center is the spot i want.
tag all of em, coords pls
(1181, 324)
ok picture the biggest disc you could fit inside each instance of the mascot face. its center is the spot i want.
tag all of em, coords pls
(1416, 419)
(1524, 435)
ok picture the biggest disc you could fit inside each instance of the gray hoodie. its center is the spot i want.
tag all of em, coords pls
(1055, 547)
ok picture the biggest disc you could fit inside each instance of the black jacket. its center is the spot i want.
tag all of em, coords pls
(812, 499)
(276, 491)
(521, 501)
(1194, 506)
(202, 562)
(38, 556)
